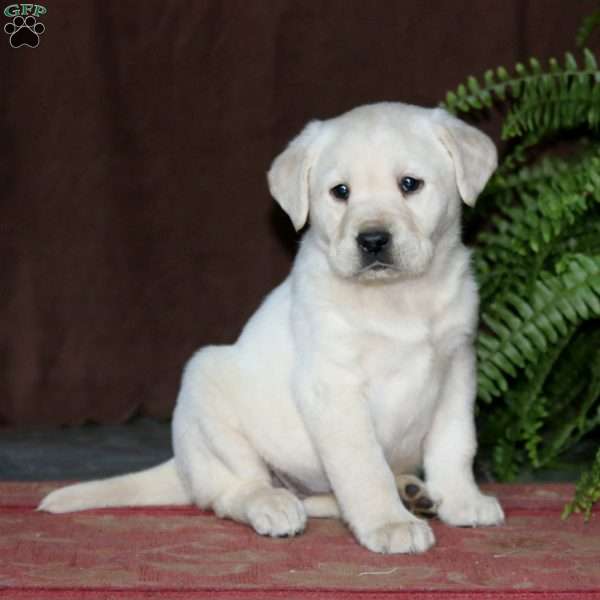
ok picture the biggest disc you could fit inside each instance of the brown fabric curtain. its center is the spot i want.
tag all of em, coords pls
(136, 223)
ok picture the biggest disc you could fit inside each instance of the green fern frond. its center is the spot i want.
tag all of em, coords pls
(536, 230)
(554, 103)
(531, 407)
(524, 326)
(508, 459)
(548, 99)
(529, 177)
(569, 377)
(582, 238)
(539, 422)
(536, 209)
(587, 492)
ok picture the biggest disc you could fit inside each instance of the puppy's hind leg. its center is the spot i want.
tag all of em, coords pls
(228, 476)
(411, 489)
(216, 460)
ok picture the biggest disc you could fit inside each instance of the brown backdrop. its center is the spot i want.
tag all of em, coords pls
(135, 222)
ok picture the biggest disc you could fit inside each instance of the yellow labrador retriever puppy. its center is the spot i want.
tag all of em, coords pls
(359, 368)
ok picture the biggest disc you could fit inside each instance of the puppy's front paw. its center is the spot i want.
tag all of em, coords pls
(276, 512)
(473, 510)
(409, 537)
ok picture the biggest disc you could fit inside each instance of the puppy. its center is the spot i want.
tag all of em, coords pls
(359, 368)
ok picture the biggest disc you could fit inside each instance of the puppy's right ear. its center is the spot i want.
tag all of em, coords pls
(288, 175)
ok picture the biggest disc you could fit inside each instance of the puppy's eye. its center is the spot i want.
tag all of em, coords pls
(410, 184)
(340, 191)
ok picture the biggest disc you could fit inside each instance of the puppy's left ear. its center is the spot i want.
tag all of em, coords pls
(289, 173)
(473, 153)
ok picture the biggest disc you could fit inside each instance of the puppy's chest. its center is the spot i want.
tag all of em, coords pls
(402, 361)
(392, 338)
(403, 371)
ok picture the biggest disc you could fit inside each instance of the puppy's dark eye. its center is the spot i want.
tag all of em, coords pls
(341, 191)
(410, 184)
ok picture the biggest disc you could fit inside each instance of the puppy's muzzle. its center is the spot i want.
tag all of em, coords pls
(374, 246)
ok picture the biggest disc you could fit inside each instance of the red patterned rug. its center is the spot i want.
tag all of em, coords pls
(184, 553)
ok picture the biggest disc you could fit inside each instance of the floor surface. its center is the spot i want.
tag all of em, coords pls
(182, 553)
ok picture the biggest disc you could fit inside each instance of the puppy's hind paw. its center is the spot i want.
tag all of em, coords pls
(415, 497)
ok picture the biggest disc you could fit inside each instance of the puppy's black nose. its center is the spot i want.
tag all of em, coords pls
(373, 242)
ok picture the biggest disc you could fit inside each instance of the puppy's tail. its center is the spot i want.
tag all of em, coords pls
(156, 486)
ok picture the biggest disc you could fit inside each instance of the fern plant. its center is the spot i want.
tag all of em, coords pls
(536, 234)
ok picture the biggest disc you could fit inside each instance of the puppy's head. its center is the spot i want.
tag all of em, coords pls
(382, 184)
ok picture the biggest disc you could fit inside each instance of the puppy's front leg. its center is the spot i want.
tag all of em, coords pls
(450, 448)
(339, 421)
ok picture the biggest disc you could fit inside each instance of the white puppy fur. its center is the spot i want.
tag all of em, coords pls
(360, 365)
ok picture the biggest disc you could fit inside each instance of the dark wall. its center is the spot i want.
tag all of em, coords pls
(135, 222)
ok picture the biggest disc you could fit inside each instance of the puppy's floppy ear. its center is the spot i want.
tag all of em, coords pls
(288, 176)
(473, 153)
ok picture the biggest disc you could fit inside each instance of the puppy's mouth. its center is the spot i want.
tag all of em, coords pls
(378, 270)
(378, 266)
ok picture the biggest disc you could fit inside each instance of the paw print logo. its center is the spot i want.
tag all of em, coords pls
(24, 31)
